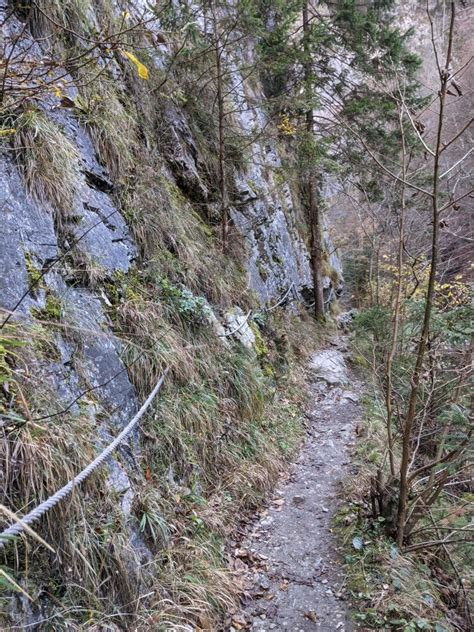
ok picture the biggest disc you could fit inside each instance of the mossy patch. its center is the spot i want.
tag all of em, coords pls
(33, 273)
(262, 351)
(51, 310)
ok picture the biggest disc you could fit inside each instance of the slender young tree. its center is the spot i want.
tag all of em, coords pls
(218, 44)
(405, 477)
(314, 210)
(423, 372)
(398, 298)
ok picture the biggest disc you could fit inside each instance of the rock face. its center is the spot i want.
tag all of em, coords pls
(25, 228)
(31, 241)
(266, 214)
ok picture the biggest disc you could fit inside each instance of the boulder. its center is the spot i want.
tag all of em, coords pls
(329, 366)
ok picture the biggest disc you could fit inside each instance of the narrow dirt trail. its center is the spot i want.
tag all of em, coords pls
(299, 585)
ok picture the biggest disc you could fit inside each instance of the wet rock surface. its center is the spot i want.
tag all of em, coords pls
(299, 585)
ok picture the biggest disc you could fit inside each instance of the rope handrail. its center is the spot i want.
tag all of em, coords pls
(264, 310)
(282, 300)
(49, 503)
(234, 331)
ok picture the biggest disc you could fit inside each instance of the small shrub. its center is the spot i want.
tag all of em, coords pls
(193, 309)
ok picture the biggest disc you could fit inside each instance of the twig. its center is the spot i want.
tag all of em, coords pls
(456, 163)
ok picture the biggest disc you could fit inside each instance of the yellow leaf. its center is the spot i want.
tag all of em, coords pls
(141, 68)
(7, 130)
(58, 92)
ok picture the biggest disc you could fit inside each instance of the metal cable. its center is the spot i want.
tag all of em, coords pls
(264, 311)
(234, 331)
(49, 503)
(282, 300)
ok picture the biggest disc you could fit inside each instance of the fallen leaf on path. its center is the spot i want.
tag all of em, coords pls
(239, 622)
(311, 615)
(238, 565)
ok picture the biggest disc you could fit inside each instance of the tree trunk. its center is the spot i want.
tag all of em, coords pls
(314, 211)
(224, 196)
(397, 306)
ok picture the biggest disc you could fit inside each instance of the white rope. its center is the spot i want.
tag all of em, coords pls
(264, 310)
(234, 331)
(282, 300)
(35, 514)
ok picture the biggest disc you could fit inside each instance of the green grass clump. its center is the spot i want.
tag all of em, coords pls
(9, 343)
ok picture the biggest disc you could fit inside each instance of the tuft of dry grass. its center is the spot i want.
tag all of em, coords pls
(92, 560)
(82, 267)
(48, 16)
(48, 162)
(195, 588)
(110, 122)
